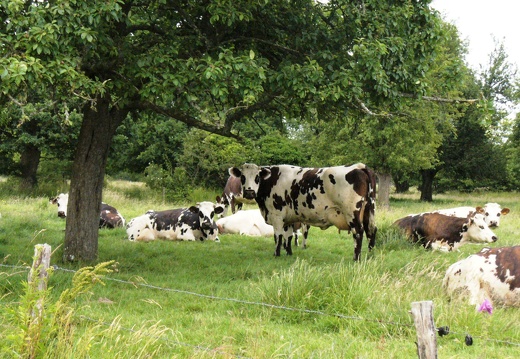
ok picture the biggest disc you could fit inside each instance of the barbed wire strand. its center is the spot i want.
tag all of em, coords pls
(268, 305)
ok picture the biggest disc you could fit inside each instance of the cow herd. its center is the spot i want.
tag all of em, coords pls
(290, 199)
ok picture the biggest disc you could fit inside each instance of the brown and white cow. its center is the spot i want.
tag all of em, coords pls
(491, 211)
(109, 217)
(446, 233)
(232, 196)
(492, 274)
(189, 224)
(342, 196)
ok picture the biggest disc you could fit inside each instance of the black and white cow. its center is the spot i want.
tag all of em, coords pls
(109, 217)
(491, 211)
(342, 196)
(189, 224)
(492, 274)
(232, 196)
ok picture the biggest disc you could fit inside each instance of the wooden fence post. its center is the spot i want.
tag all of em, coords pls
(422, 313)
(37, 279)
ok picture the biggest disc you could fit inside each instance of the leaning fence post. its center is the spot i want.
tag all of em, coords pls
(422, 313)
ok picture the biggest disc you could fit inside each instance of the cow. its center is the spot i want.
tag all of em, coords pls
(342, 196)
(232, 196)
(109, 217)
(189, 224)
(491, 211)
(251, 223)
(446, 233)
(492, 274)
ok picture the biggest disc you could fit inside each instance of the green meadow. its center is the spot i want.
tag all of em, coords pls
(234, 299)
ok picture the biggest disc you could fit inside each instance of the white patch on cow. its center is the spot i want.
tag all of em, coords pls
(247, 222)
(141, 228)
(491, 211)
(476, 278)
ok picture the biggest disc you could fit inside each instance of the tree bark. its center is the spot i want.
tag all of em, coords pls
(383, 192)
(98, 128)
(427, 184)
(29, 162)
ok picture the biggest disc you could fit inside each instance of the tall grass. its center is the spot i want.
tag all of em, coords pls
(234, 299)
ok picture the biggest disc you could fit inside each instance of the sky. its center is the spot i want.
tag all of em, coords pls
(478, 21)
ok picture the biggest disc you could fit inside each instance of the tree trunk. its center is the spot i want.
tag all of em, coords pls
(427, 184)
(29, 161)
(100, 122)
(383, 191)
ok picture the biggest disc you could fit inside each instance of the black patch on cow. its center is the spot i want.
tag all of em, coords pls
(278, 202)
(332, 179)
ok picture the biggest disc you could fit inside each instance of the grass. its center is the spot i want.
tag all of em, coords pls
(234, 299)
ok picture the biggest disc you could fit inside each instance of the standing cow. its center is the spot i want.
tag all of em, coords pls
(232, 196)
(189, 224)
(342, 196)
(492, 274)
(446, 233)
(491, 211)
(109, 217)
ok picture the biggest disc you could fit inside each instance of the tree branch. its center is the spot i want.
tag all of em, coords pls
(439, 99)
(190, 121)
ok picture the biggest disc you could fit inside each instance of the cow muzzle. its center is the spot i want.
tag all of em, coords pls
(205, 226)
(249, 194)
(61, 214)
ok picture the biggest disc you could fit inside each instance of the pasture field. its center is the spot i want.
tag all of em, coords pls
(234, 299)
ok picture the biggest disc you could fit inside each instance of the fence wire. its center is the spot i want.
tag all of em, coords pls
(267, 305)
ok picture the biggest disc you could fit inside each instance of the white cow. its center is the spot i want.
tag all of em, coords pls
(249, 223)
(491, 211)
(492, 274)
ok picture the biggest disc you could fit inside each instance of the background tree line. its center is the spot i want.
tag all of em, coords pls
(179, 92)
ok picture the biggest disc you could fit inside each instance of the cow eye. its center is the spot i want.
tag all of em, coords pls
(481, 227)
(487, 214)
(498, 215)
(212, 214)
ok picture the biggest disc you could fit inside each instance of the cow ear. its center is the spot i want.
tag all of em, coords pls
(235, 172)
(479, 209)
(265, 173)
(194, 209)
(465, 226)
(219, 209)
(504, 211)
(218, 199)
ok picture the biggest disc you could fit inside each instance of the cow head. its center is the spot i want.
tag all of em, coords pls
(61, 200)
(206, 212)
(223, 203)
(476, 230)
(492, 213)
(250, 176)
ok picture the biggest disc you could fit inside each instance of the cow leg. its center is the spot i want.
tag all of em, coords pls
(288, 232)
(239, 206)
(358, 237)
(278, 238)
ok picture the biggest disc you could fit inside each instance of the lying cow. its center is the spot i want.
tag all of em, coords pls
(251, 223)
(492, 274)
(491, 212)
(232, 196)
(189, 224)
(446, 233)
(109, 217)
(342, 196)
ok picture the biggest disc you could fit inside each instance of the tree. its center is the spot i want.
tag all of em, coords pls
(210, 64)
